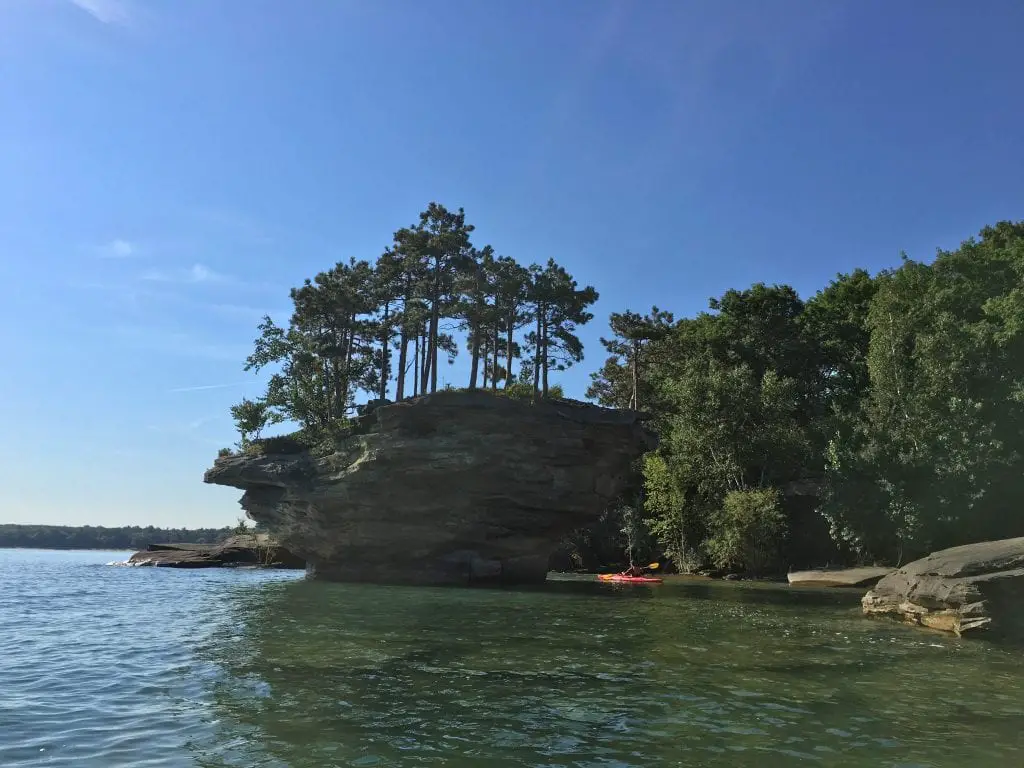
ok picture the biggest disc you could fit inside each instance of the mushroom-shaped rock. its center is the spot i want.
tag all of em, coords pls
(449, 488)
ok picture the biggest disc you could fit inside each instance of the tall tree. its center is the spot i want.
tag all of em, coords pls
(622, 382)
(511, 300)
(475, 283)
(388, 285)
(447, 249)
(559, 306)
(409, 247)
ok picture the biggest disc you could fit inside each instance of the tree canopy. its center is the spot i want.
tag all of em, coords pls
(382, 327)
(879, 419)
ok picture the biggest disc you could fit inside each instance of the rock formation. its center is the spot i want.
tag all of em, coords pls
(837, 577)
(450, 488)
(963, 589)
(249, 549)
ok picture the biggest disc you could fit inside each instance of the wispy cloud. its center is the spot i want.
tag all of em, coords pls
(197, 273)
(105, 11)
(193, 431)
(202, 387)
(231, 223)
(117, 249)
(178, 344)
(249, 313)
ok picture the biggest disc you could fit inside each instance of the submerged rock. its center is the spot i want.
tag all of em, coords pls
(450, 488)
(249, 549)
(963, 589)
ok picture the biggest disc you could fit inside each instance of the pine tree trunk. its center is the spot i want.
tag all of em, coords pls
(347, 367)
(538, 345)
(635, 399)
(432, 362)
(425, 361)
(435, 319)
(494, 358)
(475, 364)
(416, 365)
(545, 358)
(384, 353)
(509, 348)
(338, 375)
(403, 354)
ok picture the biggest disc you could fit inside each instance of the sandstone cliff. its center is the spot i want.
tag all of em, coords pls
(450, 488)
(962, 589)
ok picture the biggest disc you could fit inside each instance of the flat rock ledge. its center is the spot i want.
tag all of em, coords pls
(449, 488)
(256, 550)
(975, 588)
(838, 577)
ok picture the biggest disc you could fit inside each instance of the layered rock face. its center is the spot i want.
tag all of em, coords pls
(450, 488)
(963, 589)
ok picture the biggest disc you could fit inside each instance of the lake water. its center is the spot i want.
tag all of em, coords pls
(106, 666)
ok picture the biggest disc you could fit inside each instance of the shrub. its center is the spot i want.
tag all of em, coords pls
(297, 442)
(521, 390)
(225, 452)
(747, 532)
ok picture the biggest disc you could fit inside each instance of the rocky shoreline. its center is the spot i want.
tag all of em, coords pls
(252, 550)
(969, 589)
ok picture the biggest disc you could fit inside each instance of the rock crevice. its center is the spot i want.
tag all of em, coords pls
(449, 488)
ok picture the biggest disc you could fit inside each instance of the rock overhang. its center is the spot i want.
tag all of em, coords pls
(452, 487)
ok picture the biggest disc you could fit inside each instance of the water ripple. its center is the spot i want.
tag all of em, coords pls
(108, 666)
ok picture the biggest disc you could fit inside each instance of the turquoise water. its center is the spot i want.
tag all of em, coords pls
(107, 666)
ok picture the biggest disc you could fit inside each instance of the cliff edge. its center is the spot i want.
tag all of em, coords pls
(449, 488)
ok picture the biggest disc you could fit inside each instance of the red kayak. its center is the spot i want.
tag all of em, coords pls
(618, 577)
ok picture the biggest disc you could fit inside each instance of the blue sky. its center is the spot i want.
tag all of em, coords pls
(169, 169)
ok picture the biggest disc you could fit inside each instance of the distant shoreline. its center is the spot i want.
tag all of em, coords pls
(70, 549)
(94, 537)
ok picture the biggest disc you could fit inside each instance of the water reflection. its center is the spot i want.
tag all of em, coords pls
(312, 674)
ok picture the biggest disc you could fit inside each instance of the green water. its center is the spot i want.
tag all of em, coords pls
(589, 675)
(105, 666)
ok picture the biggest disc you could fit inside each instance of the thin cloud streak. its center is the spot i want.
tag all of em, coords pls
(204, 387)
(196, 274)
(104, 11)
(248, 313)
(117, 249)
(177, 344)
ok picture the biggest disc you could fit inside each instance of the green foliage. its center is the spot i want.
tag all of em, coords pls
(524, 391)
(933, 455)
(896, 402)
(747, 532)
(558, 306)
(623, 381)
(676, 523)
(351, 322)
(251, 417)
(225, 452)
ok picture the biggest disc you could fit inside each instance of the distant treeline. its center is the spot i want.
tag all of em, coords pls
(94, 537)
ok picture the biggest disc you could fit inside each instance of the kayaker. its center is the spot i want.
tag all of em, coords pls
(634, 572)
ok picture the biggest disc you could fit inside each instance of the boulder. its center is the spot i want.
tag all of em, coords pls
(969, 588)
(256, 549)
(449, 488)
